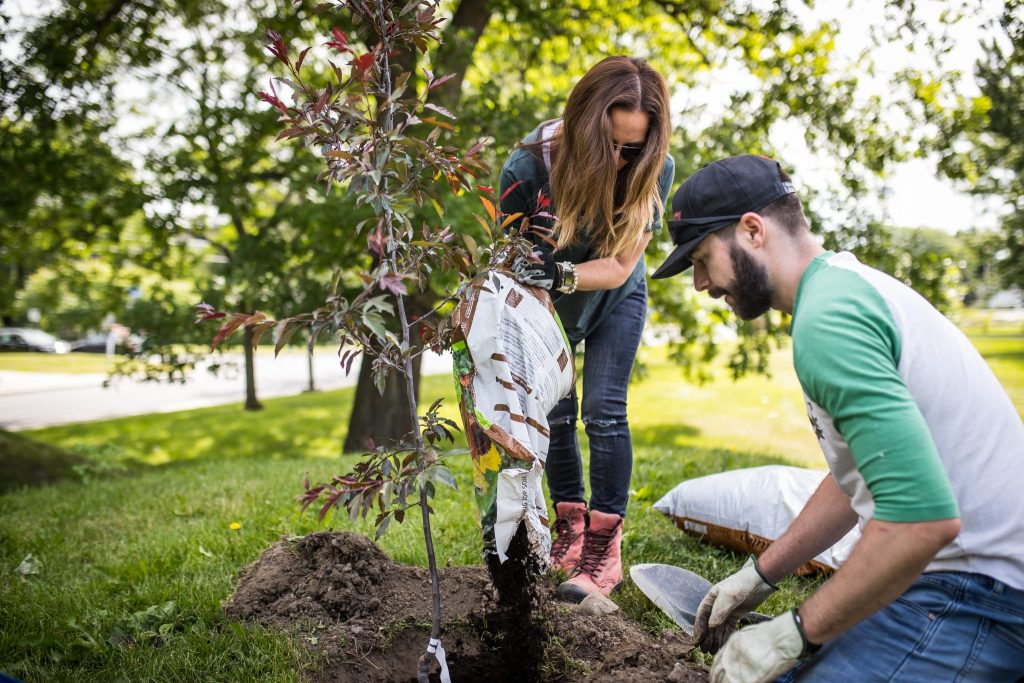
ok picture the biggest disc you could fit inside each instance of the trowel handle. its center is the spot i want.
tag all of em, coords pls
(754, 618)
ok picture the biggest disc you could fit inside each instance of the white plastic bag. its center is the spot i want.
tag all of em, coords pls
(512, 364)
(745, 510)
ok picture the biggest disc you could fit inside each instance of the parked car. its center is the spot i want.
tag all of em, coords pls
(25, 339)
(97, 343)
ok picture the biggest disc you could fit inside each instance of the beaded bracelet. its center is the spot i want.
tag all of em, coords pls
(570, 279)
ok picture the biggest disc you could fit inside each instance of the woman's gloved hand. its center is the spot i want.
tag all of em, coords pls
(538, 270)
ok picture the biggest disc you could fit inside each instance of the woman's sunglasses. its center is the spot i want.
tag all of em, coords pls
(628, 152)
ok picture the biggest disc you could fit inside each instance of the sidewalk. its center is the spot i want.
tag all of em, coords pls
(12, 382)
(29, 399)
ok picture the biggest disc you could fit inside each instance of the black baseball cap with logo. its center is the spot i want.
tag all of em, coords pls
(717, 196)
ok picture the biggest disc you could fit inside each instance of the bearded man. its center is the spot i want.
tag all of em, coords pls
(925, 450)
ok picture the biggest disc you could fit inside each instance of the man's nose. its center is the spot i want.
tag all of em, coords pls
(700, 278)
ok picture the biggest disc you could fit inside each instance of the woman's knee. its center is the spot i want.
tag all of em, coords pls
(606, 417)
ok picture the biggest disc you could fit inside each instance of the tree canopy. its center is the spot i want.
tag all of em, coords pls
(124, 119)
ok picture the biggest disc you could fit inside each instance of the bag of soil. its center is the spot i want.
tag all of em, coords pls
(512, 364)
(746, 510)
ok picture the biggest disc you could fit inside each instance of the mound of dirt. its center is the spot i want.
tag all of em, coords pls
(370, 619)
(27, 462)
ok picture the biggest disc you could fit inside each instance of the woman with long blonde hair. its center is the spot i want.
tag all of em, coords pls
(599, 178)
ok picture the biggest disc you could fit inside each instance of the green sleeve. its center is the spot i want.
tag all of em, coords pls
(846, 349)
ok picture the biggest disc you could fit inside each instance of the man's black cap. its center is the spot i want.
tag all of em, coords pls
(717, 196)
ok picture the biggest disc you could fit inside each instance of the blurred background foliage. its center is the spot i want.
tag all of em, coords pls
(142, 174)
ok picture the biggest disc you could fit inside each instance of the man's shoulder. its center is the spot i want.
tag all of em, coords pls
(835, 284)
(843, 305)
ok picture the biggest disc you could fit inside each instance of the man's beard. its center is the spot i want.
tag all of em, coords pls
(751, 291)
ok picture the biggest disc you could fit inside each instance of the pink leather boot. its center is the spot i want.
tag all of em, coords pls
(570, 526)
(600, 566)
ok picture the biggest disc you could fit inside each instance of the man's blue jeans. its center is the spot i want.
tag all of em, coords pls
(608, 357)
(948, 626)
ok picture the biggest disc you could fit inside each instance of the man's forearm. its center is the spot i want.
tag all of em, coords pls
(887, 559)
(824, 520)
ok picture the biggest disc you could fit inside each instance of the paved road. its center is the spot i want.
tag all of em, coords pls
(35, 399)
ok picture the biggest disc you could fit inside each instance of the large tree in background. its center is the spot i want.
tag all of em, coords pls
(993, 129)
(64, 184)
(206, 150)
(216, 176)
(741, 77)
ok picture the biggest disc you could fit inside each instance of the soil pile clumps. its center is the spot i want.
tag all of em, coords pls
(369, 619)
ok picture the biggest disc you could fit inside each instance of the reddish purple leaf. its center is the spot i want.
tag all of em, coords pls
(443, 79)
(266, 97)
(376, 241)
(237, 320)
(475, 149)
(340, 42)
(205, 311)
(509, 190)
(302, 56)
(277, 46)
(393, 283)
(363, 65)
(259, 329)
(290, 326)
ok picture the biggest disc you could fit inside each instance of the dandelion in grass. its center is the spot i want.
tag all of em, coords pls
(235, 526)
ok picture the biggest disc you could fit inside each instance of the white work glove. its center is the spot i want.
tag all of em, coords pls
(725, 604)
(761, 652)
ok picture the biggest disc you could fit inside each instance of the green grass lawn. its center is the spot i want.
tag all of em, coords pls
(134, 551)
(69, 363)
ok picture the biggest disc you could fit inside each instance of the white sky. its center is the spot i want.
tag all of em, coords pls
(917, 197)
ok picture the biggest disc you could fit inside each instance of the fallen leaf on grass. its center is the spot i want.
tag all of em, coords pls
(28, 567)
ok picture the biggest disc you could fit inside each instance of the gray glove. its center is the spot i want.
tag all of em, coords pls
(545, 274)
(725, 604)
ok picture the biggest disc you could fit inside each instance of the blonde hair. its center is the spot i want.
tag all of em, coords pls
(592, 196)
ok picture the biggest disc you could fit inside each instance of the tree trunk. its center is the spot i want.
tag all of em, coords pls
(309, 367)
(459, 41)
(380, 419)
(251, 402)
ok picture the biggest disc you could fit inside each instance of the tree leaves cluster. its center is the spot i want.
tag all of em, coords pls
(988, 148)
(207, 180)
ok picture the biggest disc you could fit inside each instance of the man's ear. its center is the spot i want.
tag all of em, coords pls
(751, 229)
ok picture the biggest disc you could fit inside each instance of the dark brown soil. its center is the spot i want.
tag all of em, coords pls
(27, 462)
(369, 618)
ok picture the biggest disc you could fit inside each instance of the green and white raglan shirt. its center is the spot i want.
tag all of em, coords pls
(913, 423)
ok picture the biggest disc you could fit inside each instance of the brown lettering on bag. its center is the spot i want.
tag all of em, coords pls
(521, 382)
(741, 541)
